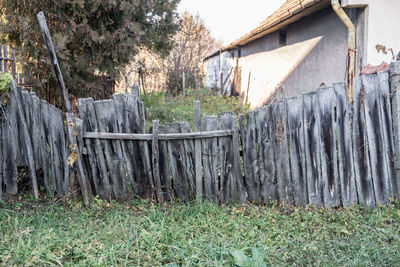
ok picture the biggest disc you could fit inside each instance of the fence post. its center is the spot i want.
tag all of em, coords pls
(5, 58)
(1, 58)
(183, 84)
(135, 90)
(13, 65)
(155, 161)
(394, 90)
(197, 152)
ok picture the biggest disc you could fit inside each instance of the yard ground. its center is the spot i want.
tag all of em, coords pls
(167, 108)
(140, 233)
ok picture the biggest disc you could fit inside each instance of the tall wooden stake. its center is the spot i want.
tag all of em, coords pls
(197, 153)
(183, 84)
(53, 59)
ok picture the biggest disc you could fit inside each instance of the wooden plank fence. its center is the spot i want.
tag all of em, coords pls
(315, 149)
(8, 64)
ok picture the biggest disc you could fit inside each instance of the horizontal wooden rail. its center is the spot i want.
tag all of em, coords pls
(147, 137)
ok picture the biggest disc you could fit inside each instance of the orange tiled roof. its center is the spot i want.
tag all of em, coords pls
(289, 12)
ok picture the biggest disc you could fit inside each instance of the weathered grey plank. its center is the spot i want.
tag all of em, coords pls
(228, 182)
(58, 151)
(296, 149)
(165, 175)
(197, 153)
(250, 157)
(28, 142)
(326, 99)
(394, 80)
(10, 147)
(168, 136)
(387, 131)
(210, 157)
(379, 163)
(345, 149)
(362, 169)
(105, 112)
(237, 164)
(312, 150)
(189, 157)
(98, 168)
(155, 161)
(134, 149)
(178, 163)
(285, 185)
(266, 157)
(76, 155)
(145, 148)
(122, 110)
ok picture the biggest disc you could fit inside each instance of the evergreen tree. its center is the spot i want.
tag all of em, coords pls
(93, 38)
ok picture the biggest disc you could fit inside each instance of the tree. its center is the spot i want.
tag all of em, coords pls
(93, 38)
(192, 43)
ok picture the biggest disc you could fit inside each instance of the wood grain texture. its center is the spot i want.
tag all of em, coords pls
(312, 150)
(326, 99)
(376, 147)
(297, 150)
(362, 169)
(284, 179)
(345, 149)
(210, 157)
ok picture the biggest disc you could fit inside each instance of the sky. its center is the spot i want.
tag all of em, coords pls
(228, 20)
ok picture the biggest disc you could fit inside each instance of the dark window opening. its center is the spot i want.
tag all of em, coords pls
(282, 37)
(232, 54)
(239, 53)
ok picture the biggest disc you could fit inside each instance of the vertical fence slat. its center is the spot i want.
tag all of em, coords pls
(387, 130)
(72, 133)
(285, 185)
(250, 157)
(178, 163)
(188, 145)
(362, 169)
(121, 110)
(165, 175)
(311, 145)
(375, 139)
(326, 99)
(345, 149)
(210, 157)
(394, 80)
(297, 153)
(134, 124)
(227, 175)
(240, 195)
(28, 141)
(94, 148)
(155, 161)
(197, 153)
(105, 111)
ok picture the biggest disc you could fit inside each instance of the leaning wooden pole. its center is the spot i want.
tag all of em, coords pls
(64, 95)
(53, 60)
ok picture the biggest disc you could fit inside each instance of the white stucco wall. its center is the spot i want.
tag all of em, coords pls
(383, 26)
(212, 66)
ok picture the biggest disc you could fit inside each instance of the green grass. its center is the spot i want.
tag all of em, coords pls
(167, 108)
(140, 233)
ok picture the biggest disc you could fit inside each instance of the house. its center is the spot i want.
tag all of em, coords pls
(304, 45)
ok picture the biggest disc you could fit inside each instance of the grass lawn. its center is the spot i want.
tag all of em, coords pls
(140, 233)
(167, 108)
